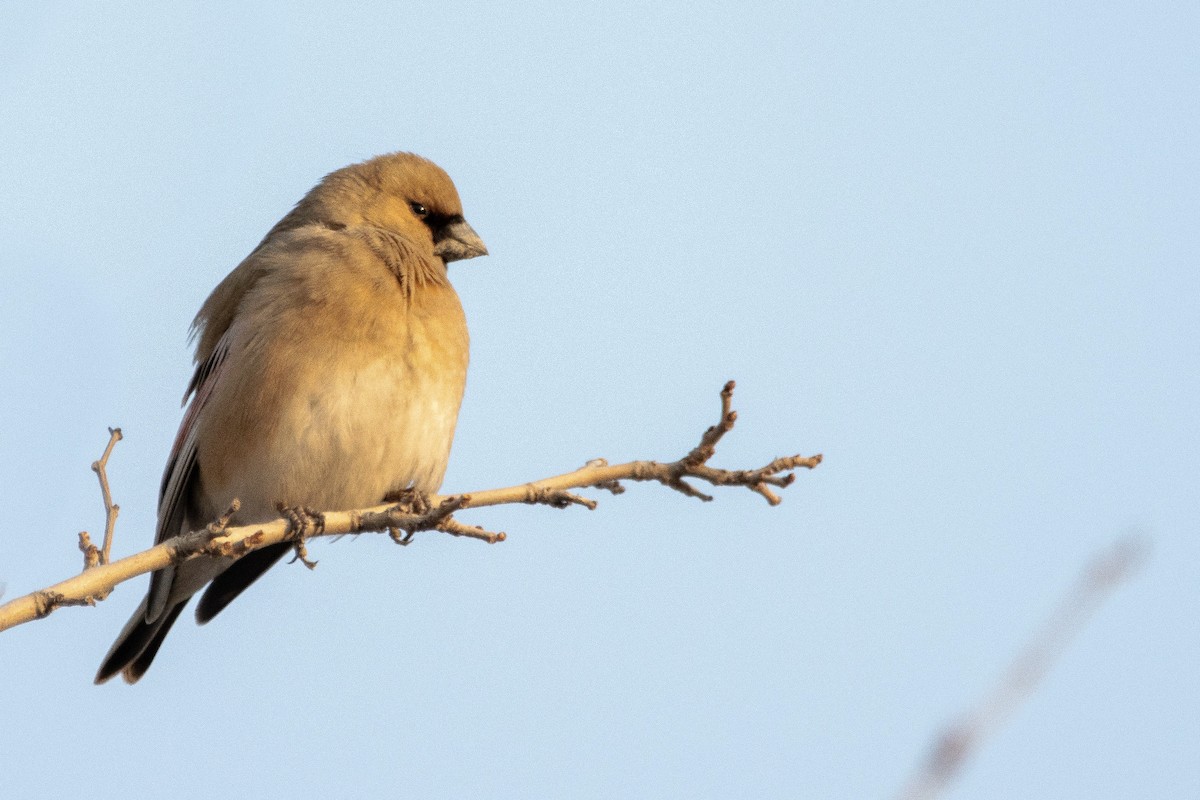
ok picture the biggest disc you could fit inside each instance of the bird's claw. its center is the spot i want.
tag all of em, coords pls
(303, 522)
(401, 537)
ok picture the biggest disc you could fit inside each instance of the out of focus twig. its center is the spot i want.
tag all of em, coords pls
(958, 742)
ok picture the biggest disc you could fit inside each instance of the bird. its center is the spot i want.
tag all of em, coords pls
(330, 368)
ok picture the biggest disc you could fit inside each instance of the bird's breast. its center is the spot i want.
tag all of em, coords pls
(351, 407)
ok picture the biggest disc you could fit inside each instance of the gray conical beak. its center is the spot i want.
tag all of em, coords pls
(458, 240)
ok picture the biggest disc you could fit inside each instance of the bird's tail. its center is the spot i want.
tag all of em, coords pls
(137, 644)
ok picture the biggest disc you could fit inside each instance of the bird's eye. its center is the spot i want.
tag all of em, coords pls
(418, 209)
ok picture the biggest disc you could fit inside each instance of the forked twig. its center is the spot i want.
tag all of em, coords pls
(93, 556)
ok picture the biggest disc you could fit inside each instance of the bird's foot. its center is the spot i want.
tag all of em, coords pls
(409, 499)
(303, 523)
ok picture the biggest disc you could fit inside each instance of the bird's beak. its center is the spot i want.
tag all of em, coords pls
(458, 240)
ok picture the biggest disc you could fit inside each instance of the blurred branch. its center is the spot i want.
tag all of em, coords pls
(409, 514)
(955, 746)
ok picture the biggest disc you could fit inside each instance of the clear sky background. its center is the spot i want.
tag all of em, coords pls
(953, 247)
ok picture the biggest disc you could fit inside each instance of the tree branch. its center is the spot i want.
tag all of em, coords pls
(410, 514)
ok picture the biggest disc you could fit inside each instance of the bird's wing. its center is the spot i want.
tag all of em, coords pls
(181, 479)
(182, 475)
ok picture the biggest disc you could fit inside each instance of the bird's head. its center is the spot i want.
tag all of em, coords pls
(399, 192)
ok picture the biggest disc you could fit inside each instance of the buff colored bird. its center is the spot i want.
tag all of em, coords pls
(330, 368)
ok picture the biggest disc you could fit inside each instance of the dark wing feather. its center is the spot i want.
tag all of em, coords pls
(181, 479)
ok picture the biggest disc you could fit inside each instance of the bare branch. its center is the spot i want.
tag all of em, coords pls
(961, 740)
(408, 514)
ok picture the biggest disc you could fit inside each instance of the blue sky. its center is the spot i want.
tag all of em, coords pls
(952, 247)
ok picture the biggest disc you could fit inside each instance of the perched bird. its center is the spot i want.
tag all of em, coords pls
(330, 366)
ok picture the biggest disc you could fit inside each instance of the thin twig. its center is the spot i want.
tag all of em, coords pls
(95, 556)
(111, 509)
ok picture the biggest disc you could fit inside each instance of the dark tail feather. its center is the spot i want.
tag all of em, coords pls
(233, 581)
(137, 645)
